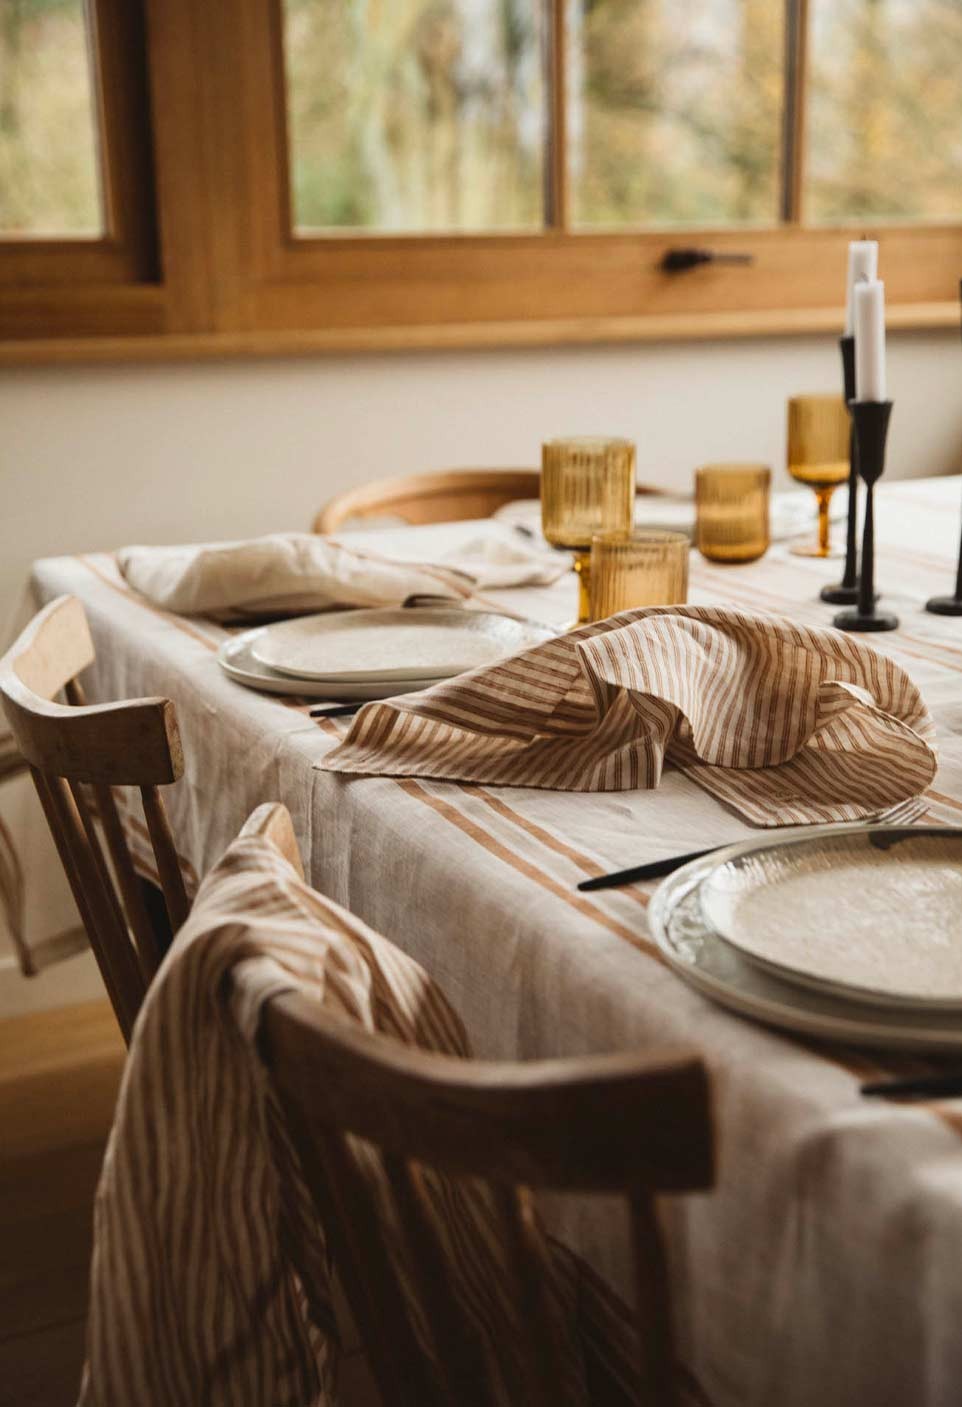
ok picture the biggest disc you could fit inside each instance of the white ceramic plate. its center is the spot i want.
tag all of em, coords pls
(237, 660)
(873, 914)
(720, 971)
(392, 645)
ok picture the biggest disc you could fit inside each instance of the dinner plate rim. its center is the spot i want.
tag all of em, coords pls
(287, 686)
(777, 1005)
(832, 986)
(343, 619)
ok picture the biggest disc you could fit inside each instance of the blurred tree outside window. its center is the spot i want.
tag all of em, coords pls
(49, 159)
(885, 110)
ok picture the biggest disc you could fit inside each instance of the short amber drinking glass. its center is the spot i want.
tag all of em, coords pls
(587, 486)
(818, 449)
(637, 569)
(732, 511)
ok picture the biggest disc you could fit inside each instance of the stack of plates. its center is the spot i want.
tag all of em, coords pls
(852, 933)
(372, 654)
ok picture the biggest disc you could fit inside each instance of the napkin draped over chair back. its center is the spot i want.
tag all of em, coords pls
(786, 724)
(210, 1277)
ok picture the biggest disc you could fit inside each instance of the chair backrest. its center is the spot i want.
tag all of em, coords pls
(448, 496)
(77, 753)
(631, 1124)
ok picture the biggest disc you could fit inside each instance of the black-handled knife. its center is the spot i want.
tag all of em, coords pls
(655, 869)
(945, 1085)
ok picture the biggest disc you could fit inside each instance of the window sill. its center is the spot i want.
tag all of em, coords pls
(210, 346)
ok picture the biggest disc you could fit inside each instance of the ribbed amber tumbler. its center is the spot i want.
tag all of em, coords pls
(587, 486)
(638, 569)
(732, 511)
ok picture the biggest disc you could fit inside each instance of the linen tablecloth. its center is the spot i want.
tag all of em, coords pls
(824, 1267)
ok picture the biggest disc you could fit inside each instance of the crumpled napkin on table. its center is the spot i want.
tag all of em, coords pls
(788, 725)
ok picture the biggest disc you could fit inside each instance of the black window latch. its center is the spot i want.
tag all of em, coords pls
(678, 261)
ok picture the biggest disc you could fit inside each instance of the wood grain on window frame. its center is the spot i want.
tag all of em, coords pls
(233, 278)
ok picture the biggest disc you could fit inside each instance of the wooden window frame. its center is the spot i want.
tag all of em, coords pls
(231, 277)
(74, 285)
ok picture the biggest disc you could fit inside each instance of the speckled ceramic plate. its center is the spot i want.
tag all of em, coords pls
(719, 970)
(388, 645)
(237, 660)
(874, 914)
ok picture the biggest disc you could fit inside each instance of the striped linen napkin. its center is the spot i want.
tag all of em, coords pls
(210, 1283)
(297, 572)
(788, 725)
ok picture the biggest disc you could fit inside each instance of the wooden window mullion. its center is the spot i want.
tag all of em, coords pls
(556, 204)
(793, 125)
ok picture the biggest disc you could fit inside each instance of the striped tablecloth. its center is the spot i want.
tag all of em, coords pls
(825, 1267)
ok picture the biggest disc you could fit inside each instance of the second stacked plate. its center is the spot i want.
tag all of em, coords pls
(847, 932)
(373, 654)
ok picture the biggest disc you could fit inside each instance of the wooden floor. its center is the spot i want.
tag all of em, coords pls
(59, 1075)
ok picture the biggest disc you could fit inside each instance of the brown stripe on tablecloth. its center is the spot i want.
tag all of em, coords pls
(122, 589)
(549, 840)
(572, 898)
(943, 800)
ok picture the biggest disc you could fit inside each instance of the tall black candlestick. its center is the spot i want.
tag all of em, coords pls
(871, 421)
(950, 605)
(846, 593)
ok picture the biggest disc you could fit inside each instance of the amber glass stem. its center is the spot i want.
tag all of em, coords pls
(582, 565)
(824, 497)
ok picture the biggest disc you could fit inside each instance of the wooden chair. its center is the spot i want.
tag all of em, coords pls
(632, 1124)
(448, 496)
(73, 747)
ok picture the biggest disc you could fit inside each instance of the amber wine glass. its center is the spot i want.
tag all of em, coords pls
(587, 487)
(818, 443)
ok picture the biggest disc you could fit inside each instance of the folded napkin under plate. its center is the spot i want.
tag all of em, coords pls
(787, 725)
(300, 572)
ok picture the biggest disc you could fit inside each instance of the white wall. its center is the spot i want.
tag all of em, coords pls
(94, 457)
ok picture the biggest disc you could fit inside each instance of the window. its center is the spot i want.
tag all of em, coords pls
(251, 175)
(50, 178)
(77, 253)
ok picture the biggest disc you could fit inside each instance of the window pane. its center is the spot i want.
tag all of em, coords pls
(49, 167)
(885, 109)
(415, 115)
(675, 111)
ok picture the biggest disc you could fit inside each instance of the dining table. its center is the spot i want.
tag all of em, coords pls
(825, 1265)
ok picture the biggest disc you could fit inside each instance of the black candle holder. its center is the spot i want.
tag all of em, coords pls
(949, 605)
(871, 422)
(846, 593)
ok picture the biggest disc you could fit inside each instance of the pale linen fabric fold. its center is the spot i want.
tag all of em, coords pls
(207, 1246)
(784, 723)
(290, 572)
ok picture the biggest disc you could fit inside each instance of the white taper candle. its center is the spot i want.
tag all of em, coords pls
(862, 264)
(870, 341)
